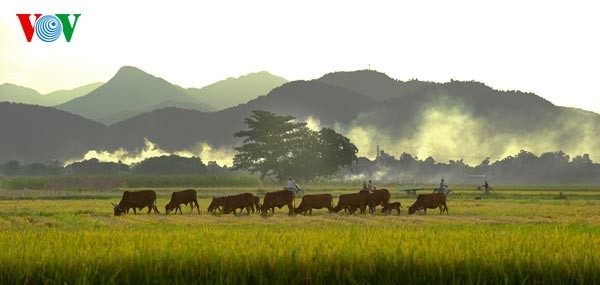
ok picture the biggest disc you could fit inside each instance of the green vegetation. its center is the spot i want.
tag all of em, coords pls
(277, 146)
(158, 181)
(520, 239)
(105, 182)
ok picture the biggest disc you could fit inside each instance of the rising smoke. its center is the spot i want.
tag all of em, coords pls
(223, 156)
(449, 130)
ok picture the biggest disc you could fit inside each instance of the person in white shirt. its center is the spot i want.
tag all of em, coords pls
(370, 186)
(290, 185)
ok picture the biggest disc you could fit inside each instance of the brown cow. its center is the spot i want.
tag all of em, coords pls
(216, 204)
(240, 201)
(182, 197)
(278, 199)
(429, 201)
(317, 201)
(376, 198)
(351, 202)
(139, 200)
(387, 209)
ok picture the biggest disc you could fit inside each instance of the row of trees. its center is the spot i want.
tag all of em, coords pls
(163, 165)
(522, 168)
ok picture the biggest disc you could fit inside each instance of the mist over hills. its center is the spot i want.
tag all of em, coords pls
(451, 120)
(234, 91)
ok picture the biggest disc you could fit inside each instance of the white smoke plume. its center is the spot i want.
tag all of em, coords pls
(223, 156)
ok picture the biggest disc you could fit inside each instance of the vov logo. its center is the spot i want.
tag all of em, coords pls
(48, 27)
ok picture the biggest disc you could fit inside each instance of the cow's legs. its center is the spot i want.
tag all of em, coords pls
(134, 211)
(197, 206)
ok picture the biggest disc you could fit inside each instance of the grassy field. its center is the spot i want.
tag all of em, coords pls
(521, 235)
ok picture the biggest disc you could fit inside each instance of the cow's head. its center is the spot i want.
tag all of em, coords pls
(337, 209)
(213, 205)
(412, 209)
(117, 209)
(264, 208)
(169, 207)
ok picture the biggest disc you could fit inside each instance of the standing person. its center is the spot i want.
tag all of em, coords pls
(290, 185)
(370, 186)
(443, 188)
(443, 184)
(487, 188)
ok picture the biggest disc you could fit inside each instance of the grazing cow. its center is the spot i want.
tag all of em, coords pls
(183, 197)
(376, 198)
(429, 201)
(139, 200)
(240, 201)
(387, 209)
(256, 204)
(317, 201)
(278, 199)
(216, 204)
(351, 202)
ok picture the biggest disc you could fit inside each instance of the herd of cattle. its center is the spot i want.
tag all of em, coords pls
(350, 203)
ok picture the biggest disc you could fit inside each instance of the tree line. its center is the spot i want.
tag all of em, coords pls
(277, 147)
(163, 165)
(522, 168)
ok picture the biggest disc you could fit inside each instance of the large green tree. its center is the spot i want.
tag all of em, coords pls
(279, 146)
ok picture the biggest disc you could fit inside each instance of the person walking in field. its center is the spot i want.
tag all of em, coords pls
(486, 187)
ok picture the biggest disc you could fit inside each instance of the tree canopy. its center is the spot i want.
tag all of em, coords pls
(279, 146)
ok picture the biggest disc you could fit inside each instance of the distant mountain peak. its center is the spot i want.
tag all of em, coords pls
(129, 92)
(11, 86)
(237, 90)
(133, 73)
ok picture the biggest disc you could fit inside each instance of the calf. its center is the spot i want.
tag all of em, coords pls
(429, 201)
(317, 201)
(351, 202)
(240, 201)
(387, 209)
(183, 197)
(216, 204)
(376, 198)
(278, 199)
(139, 200)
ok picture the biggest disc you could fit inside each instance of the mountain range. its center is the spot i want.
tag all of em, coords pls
(13, 93)
(452, 120)
(132, 91)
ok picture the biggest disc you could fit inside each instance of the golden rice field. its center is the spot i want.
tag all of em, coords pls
(519, 236)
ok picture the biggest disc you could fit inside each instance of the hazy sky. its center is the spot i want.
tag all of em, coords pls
(550, 48)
